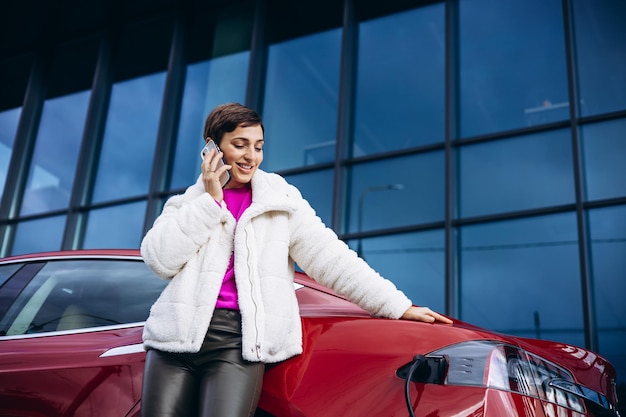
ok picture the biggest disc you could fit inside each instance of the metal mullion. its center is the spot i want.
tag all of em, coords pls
(169, 119)
(24, 145)
(345, 114)
(616, 201)
(619, 114)
(591, 335)
(452, 254)
(91, 144)
(255, 88)
(411, 228)
(421, 149)
(490, 137)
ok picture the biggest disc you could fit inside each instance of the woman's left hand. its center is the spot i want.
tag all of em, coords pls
(424, 314)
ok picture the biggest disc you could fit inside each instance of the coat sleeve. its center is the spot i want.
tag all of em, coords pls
(185, 224)
(328, 260)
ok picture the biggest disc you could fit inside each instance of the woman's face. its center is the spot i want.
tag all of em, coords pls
(243, 150)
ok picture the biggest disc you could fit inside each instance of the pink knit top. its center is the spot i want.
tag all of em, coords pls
(237, 201)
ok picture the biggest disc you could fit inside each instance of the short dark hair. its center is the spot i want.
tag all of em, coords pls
(227, 117)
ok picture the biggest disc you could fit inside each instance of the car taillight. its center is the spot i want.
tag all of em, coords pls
(505, 367)
(512, 369)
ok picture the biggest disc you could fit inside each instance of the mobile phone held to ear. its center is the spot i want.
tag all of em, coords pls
(225, 177)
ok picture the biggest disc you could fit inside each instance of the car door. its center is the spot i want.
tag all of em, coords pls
(60, 322)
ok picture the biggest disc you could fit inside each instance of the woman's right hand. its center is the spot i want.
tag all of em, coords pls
(211, 175)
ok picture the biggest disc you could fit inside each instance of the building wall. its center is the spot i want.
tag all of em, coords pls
(471, 150)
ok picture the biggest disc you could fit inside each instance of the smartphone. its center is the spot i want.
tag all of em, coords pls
(225, 177)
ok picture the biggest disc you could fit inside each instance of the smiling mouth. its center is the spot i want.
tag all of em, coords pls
(245, 166)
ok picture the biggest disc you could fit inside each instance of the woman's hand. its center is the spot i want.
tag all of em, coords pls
(211, 174)
(424, 314)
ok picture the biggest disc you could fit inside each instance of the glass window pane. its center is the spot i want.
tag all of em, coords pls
(607, 231)
(512, 65)
(8, 128)
(6, 271)
(522, 277)
(604, 148)
(317, 189)
(301, 95)
(521, 173)
(40, 235)
(400, 81)
(129, 139)
(207, 85)
(415, 262)
(397, 192)
(80, 294)
(600, 36)
(53, 166)
(115, 227)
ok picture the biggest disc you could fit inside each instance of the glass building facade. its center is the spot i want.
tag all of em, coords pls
(472, 151)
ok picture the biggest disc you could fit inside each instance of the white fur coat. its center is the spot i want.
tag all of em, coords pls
(191, 242)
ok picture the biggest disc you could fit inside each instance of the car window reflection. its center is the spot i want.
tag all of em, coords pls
(6, 271)
(80, 294)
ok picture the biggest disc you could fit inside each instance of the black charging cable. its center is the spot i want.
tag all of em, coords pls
(417, 361)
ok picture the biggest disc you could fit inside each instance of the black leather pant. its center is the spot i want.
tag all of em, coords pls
(215, 382)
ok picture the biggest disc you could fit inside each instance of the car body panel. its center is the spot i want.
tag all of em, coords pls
(590, 369)
(64, 375)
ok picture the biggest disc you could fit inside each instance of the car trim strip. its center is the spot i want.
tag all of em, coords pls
(73, 331)
(124, 350)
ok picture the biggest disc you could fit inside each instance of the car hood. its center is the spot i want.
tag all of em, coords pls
(320, 303)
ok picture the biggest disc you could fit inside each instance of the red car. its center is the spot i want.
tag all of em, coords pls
(70, 345)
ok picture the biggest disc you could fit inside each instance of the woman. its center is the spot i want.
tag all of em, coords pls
(229, 253)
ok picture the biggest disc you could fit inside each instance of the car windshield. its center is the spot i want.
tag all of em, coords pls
(78, 294)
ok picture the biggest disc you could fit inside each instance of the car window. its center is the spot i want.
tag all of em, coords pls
(78, 294)
(6, 271)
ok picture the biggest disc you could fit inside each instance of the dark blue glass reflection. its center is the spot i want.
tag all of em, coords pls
(522, 277)
(8, 128)
(53, 166)
(127, 151)
(317, 188)
(301, 96)
(207, 84)
(397, 192)
(115, 227)
(6, 271)
(415, 262)
(604, 150)
(520, 173)
(512, 67)
(400, 81)
(600, 35)
(607, 231)
(40, 235)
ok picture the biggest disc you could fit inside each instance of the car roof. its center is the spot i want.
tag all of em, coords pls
(78, 253)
